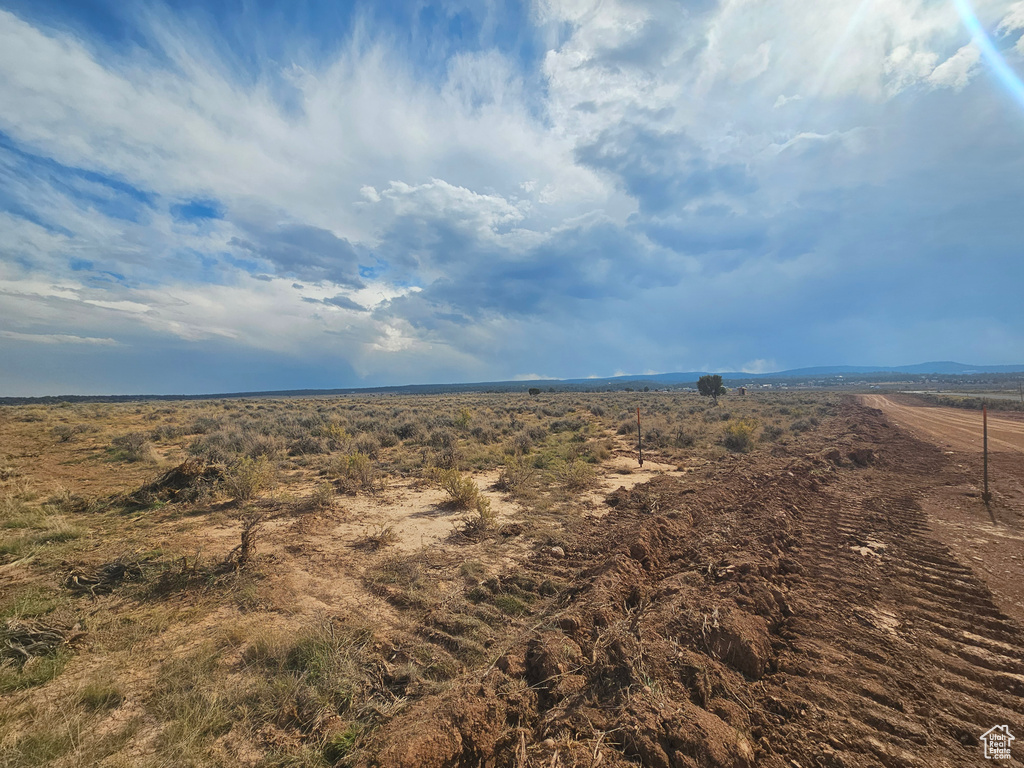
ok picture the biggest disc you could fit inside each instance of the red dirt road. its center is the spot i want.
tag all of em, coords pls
(988, 538)
(955, 429)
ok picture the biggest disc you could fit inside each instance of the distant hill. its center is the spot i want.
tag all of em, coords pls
(797, 376)
(944, 368)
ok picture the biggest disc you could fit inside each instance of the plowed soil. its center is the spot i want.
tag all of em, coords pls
(811, 608)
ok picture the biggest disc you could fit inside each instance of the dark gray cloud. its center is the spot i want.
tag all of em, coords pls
(340, 301)
(574, 271)
(661, 170)
(344, 302)
(303, 251)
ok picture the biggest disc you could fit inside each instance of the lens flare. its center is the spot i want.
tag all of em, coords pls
(995, 59)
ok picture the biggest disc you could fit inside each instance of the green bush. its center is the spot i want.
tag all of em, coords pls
(740, 435)
(574, 475)
(462, 491)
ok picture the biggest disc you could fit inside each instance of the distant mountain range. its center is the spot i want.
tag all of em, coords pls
(943, 368)
(798, 376)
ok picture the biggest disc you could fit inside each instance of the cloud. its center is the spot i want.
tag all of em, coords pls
(759, 366)
(55, 338)
(343, 302)
(305, 252)
(956, 71)
(662, 170)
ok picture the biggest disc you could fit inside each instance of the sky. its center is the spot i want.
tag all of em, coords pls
(251, 195)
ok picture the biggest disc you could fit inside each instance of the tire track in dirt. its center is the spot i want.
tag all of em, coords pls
(928, 661)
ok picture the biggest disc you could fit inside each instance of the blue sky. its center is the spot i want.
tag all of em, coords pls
(200, 196)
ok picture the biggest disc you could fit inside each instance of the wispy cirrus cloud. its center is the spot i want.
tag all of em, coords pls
(55, 338)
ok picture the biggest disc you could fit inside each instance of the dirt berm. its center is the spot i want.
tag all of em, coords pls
(783, 610)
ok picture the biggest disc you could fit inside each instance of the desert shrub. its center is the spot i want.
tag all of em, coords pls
(520, 444)
(800, 425)
(537, 432)
(567, 425)
(626, 426)
(409, 430)
(322, 497)
(381, 536)
(356, 472)
(462, 491)
(596, 452)
(772, 432)
(64, 433)
(739, 435)
(308, 445)
(574, 475)
(134, 446)
(224, 445)
(442, 438)
(516, 475)
(212, 450)
(386, 439)
(597, 410)
(335, 434)
(484, 434)
(684, 439)
(657, 436)
(484, 519)
(462, 421)
(247, 477)
(447, 454)
(256, 444)
(166, 432)
(203, 425)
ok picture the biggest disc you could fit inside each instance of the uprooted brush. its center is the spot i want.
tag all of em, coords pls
(103, 578)
(21, 640)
